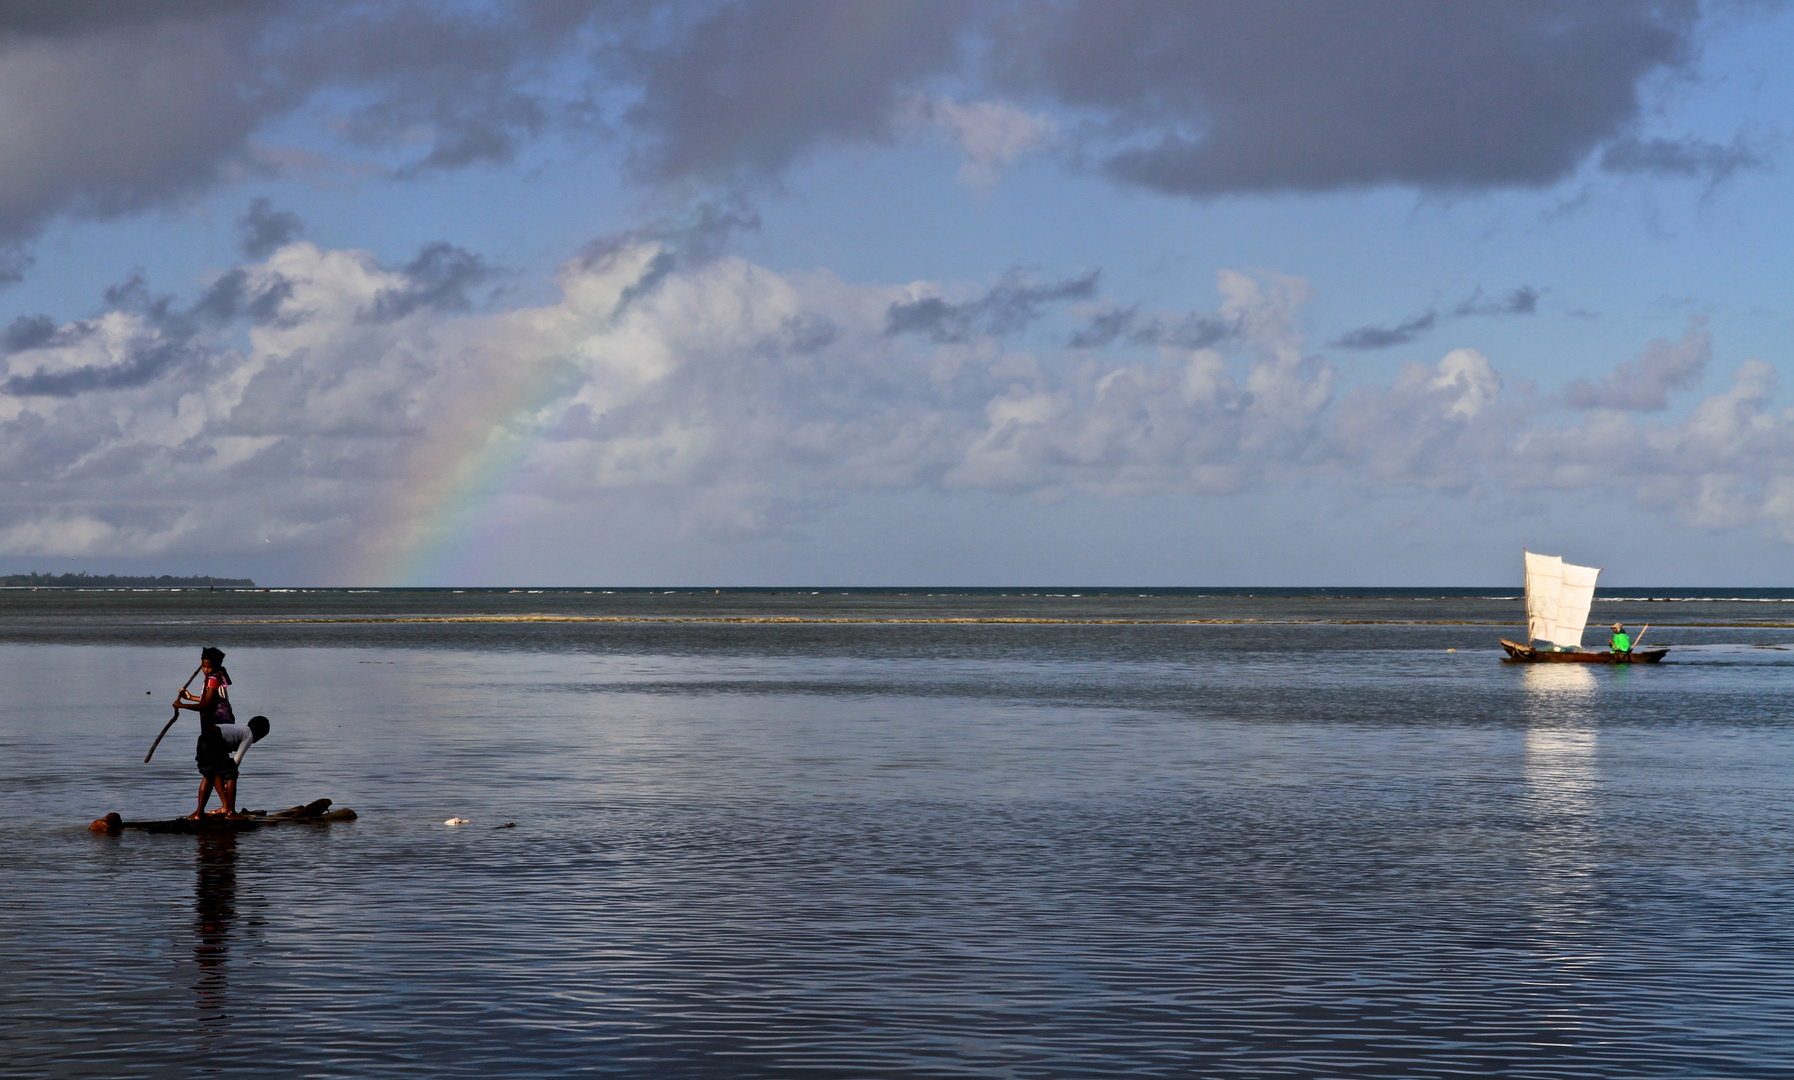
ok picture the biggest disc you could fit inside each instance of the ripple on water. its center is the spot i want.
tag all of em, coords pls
(1246, 865)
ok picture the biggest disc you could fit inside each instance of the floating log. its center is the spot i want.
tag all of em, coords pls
(312, 813)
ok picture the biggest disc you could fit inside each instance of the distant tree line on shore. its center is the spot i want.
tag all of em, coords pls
(85, 580)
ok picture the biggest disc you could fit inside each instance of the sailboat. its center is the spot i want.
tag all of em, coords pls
(1558, 596)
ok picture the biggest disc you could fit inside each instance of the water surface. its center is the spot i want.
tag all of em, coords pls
(1276, 835)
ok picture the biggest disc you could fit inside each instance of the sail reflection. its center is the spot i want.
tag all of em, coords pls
(1561, 805)
(214, 907)
(1562, 771)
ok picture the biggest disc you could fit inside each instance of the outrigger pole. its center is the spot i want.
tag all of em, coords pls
(171, 720)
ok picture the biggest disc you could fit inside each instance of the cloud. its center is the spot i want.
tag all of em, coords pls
(1439, 427)
(1645, 384)
(1522, 301)
(1725, 466)
(1189, 99)
(1304, 95)
(116, 108)
(1384, 337)
(439, 277)
(262, 229)
(748, 400)
(753, 86)
(113, 108)
(991, 134)
(1687, 156)
(1006, 307)
(143, 338)
(1193, 330)
(108, 115)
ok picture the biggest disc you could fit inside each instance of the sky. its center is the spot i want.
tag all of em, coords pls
(1125, 292)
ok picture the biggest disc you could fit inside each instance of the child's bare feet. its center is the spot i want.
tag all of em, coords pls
(194, 816)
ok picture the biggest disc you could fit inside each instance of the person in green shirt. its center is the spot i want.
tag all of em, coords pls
(1620, 643)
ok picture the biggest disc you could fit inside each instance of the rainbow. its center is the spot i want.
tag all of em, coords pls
(427, 528)
(470, 458)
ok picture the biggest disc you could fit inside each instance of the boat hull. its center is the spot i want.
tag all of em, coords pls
(1518, 653)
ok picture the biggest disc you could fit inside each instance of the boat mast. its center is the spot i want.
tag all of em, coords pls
(1526, 597)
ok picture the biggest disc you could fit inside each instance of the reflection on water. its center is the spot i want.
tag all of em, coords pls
(1562, 804)
(981, 850)
(214, 908)
(1562, 776)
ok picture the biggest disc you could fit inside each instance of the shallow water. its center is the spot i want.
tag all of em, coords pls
(1313, 844)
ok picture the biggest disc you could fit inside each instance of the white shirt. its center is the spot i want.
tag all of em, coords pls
(237, 738)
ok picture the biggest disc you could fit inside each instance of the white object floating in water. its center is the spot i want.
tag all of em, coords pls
(458, 821)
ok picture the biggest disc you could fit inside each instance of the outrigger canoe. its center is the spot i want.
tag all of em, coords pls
(1518, 653)
(1558, 597)
(312, 813)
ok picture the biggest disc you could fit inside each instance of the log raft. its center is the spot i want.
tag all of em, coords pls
(312, 813)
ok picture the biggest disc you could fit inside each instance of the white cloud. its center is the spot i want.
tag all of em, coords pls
(748, 399)
(991, 134)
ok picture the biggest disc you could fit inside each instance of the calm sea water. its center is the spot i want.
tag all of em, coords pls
(1299, 838)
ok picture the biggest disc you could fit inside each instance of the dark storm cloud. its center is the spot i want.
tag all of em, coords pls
(263, 230)
(116, 107)
(107, 115)
(113, 108)
(1008, 306)
(753, 85)
(50, 18)
(1207, 98)
(60, 18)
(14, 261)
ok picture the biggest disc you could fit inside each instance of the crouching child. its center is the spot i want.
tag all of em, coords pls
(220, 754)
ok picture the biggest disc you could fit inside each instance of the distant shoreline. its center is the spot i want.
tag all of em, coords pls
(120, 581)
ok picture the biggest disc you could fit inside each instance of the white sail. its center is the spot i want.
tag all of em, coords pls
(1573, 602)
(1558, 596)
(1544, 583)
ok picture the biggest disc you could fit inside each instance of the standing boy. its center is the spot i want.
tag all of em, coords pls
(222, 741)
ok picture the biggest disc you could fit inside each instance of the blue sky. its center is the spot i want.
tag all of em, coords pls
(952, 293)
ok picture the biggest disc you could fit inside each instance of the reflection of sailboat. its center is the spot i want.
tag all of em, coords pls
(1560, 741)
(214, 906)
(1558, 596)
(1562, 792)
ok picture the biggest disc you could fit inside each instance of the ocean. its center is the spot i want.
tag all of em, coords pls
(1044, 832)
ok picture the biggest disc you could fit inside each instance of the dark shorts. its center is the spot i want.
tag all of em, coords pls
(213, 756)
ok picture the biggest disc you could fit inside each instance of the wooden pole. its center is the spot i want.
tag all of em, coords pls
(171, 720)
(1640, 636)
